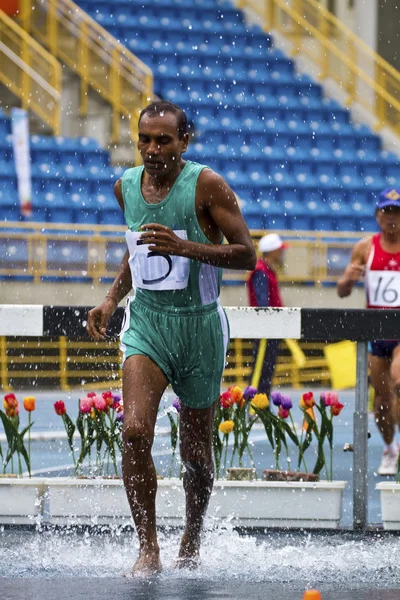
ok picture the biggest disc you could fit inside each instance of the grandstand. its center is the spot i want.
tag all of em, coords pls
(293, 156)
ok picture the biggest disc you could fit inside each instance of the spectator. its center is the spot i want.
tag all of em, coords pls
(263, 288)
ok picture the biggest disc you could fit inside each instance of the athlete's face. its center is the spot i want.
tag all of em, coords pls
(389, 219)
(159, 143)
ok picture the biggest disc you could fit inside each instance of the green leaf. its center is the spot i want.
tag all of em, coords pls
(174, 431)
(69, 428)
(319, 464)
(9, 428)
(290, 433)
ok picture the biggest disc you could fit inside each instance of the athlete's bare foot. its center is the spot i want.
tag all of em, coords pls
(147, 564)
(189, 553)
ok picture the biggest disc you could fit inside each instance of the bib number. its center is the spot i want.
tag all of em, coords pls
(154, 270)
(384, 288)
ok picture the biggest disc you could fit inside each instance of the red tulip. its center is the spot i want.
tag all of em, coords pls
(59, 407)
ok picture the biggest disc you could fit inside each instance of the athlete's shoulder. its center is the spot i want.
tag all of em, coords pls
(363, 248)
(131, 172)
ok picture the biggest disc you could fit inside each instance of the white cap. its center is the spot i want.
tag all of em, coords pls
(270, 242)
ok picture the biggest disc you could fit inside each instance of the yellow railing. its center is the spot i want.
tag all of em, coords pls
(337, 53)
(30, 249)
(63, 363)
(30, 72)
(101, 62)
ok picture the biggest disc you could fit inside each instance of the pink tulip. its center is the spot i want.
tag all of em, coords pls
(100, 404)
(85, 404)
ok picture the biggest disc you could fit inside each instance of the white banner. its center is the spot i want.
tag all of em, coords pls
(22, 158)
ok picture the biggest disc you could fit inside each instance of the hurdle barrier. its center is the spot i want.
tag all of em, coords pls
(327, 325)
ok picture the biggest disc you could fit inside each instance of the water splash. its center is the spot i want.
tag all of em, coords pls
(336, 560)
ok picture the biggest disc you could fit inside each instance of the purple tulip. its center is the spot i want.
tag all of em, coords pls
(177, 405)
(286, 403)
(276, 398)
(249, 393)
(119, 416)
(116, 399)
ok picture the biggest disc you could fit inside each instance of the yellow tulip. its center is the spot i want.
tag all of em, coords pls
(226, 426)
(260, 401)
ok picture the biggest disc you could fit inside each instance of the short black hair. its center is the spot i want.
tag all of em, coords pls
(159, 106)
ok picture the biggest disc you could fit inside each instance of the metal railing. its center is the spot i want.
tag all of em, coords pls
(101, 62)
(30, 72)
(337, 53)
(65, 363)
(37, 250)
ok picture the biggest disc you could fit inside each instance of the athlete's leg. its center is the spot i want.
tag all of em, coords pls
(196, 427)
(143, 386)
(381, 382)
(395, 376)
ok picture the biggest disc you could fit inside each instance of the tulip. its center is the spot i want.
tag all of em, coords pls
(283, 412)
(226, 427)
(100, 404)
(336, 409)
(59, 407)
(226, 400)
(116, 399)
(108, 397)
(11, 405)
(91, 394)
(249, 392)
(29, 403)
(85, 404)
(330, 398)
(10, 400)
(260, 401)
(307, 400)
(237, 394)
(276, 398)
(177, 405)
(286, 403)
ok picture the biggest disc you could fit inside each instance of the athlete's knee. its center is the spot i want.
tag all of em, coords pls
(137, 437)
(198, 472)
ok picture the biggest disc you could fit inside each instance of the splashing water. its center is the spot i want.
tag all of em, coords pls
(299, 559)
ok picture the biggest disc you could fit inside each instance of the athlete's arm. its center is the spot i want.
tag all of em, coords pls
(98, 317)
(221, 214)
(355, 269)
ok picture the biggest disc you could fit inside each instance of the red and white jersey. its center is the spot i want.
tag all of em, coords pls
(382, 276)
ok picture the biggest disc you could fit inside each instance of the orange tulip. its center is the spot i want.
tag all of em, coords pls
(29, 403)
(237, 394)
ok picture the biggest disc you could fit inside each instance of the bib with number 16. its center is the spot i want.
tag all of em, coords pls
(383, 288)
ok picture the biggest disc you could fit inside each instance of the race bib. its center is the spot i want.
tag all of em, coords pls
(154, 270)
(384, 288)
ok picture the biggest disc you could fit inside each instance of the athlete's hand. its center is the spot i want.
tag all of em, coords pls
(355, 272)
(162, 239)
(98, 318)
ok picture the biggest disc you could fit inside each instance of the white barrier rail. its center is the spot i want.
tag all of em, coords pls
(251, 323)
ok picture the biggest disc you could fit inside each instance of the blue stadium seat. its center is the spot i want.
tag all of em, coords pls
(14, 253)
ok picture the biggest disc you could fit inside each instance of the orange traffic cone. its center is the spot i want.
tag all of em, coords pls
(312, 595)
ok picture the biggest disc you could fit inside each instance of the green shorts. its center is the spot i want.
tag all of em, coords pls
(189, 345)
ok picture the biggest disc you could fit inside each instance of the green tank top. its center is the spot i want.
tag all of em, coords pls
(177, 211)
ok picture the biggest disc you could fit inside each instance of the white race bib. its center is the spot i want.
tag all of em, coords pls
(153, 270)
(383, 288)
